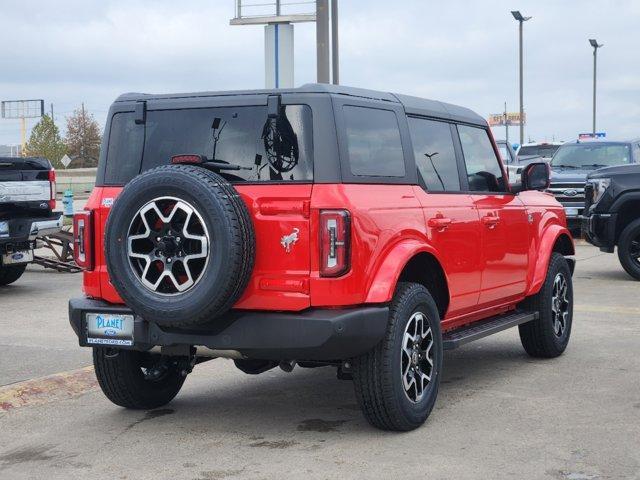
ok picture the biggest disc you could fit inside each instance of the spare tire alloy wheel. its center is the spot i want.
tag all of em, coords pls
(179, 245)
(168, 245)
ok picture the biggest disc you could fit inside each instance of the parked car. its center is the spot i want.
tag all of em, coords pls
(544, 150)
(27, 203)
(612, 213)
(322, 225)
(574, 161)
(512, 162)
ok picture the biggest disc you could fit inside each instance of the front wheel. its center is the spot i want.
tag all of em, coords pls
(11, 273)
(396, 383)
(137, 380)
(629, 249)
(548, 335)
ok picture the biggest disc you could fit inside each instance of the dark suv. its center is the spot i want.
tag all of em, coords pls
(571, 164)
(612, 213)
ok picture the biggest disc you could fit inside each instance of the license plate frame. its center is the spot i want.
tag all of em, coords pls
(17, 258)
(113, 329)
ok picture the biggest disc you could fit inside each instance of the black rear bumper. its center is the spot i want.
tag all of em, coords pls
(315, 334)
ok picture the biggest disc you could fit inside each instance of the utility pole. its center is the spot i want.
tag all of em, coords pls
(595, 46)
(521, 19)
(335, 55)
(322, 41)
(82, 135)
(52, 117)
(506, 123)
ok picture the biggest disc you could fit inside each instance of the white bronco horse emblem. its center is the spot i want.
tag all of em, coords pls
(287, 240)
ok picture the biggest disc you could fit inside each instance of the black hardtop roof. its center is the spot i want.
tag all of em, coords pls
(412, 105)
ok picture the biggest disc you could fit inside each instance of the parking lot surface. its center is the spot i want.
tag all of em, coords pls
(500, 414)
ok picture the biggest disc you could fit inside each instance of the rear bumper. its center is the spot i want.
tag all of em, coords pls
(25, 229)
(310, 335)
(600, 230)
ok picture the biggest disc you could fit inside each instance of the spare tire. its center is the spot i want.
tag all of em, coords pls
(179, 245)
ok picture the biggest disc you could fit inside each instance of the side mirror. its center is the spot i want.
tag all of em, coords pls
(536, 176)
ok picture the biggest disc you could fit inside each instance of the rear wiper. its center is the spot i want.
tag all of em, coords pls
(220, 165)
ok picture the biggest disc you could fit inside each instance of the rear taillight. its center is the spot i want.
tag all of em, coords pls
(52, 185)
(335, 242)
(83, 239)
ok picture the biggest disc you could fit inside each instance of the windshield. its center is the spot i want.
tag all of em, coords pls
(591, 156)
(540, 150)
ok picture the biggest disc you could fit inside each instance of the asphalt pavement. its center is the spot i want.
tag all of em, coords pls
(500, 414)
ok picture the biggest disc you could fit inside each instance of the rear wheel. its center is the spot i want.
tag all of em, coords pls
(11, 273)
(397, 382)
(137, 380)
(629, 249)
(548, 336)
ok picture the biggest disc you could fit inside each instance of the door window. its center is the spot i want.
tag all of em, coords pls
(434, 154)
(483, 167)
(373, 142)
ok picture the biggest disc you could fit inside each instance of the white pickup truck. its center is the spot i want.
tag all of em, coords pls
(27, 201)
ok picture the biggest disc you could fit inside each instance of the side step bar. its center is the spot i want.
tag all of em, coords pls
(469, 333)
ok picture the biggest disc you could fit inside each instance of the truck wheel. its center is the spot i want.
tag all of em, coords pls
(137, 380)
(11, 273)
(548, 336)
(396, 383)
(179, 245)
(629, 249)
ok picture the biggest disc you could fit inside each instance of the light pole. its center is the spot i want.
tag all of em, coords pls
(595, 46)
(521, 19)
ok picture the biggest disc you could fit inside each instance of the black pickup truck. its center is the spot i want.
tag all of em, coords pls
(612, 213)
(27, 201)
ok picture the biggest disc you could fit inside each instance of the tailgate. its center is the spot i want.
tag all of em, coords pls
(24, 180)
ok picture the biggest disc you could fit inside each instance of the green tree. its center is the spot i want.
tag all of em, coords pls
(45, 141)
(83, 139)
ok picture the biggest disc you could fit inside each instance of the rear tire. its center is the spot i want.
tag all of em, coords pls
(123, 381)
(548, 336)
(629, 249)
(11, 273)
(382, 377)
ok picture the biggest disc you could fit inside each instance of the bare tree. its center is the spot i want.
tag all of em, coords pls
(83, 139)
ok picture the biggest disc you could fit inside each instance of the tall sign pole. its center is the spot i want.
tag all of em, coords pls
(21, 110)
(278, 19)
(322, 41)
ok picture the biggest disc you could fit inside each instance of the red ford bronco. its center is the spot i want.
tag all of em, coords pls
(315, 226)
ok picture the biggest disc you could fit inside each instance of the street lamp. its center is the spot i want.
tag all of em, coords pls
(521, 19)
(595, 46)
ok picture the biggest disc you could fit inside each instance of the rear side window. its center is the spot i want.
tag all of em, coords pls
(483, 169)
(258, 148)
(373, 142)
(125, 149)
(435, 154)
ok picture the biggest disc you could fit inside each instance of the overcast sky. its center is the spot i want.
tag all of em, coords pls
(463, 52)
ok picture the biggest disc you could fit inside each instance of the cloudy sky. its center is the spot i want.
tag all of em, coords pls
(463, 52)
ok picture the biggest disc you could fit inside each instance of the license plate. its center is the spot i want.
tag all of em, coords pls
(23, 256)
(4, 229)
(572, 212)
(109, 329)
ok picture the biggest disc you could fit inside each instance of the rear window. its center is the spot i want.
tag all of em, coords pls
(373, 142)
(541, 150)
(263, 149)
